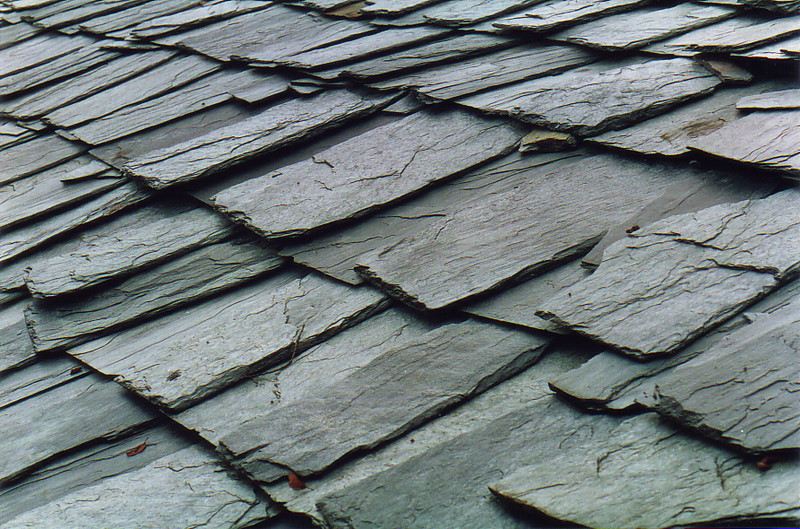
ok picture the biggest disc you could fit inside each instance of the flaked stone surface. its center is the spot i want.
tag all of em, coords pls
(186, 356)
(184, 490)
(125, 245)
(113, 24)
(391, 7)
(66, 417)
(16, 348)
(394, 392)
(669, 283)
(32, 156)
(637, 28)
(459, 79)
(457, 13)
(781, 100)
(554, 14)
(71, 13)
(197, 275)
(196, 15)
(516, 218)
(679, 481)
(275, 127)
(365, 173)
(35, 379)
(770, 140)
(600, 97)
(38, 50)
(11, 134)
(784, 49)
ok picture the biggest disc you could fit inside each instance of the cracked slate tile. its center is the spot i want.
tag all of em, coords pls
(39, 50)
(12, 134)
(365, 173)
(555, 14)
(126, 244)
(146, 85)
(45, 193)
(68, 416)
(786, 49)
(200, 274)
(184, 490)
(778, 100)
(16, 348)
(73, 12)
(186, 356)
(274, 127)
(674, 280)
(679, 481)
(113, 24)
(196, 16)
(769, 140)
(516, 218)
(451, 81)
(65, 92)
(457, 13)
(393, 7)
(635, 29)
(396, 391)
(35, 379)
(37, 154)
(12, 34)
(778, 6)
(592, 99)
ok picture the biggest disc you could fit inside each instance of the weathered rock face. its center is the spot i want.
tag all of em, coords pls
(709, 266)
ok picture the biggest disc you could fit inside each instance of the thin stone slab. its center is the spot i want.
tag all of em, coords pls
(459, 13)
(517, 218)
(61, 94)
(71, 415)
(198, 95)
(361, 175)
(113, 24)
(456, 80)
(38, 154)
(275, 127)
(35, 379)
(12, 34)
(647, 475)
(39, 50)
(44, 193)
(596, 98)
(743, 390)
(393, 7)
(769, 140)
(16, 348)
(780, 100)
(15, 243)
(735, 35)
(198, 275)
(787, 49)
(554, 14)
(146, 85)
(671, 133)
(182, 358)
(184, 490)
(73, 12)
(779, 6)
(11, 134)
(671, 282)
(197, 15)
(393, 393)
(125, 245)
(640, 27)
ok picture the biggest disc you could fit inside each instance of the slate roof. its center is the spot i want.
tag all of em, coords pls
(408, 264)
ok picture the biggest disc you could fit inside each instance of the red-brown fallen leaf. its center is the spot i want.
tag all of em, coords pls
(75, 370)
(295, 482)
(766, 462)
(632, 229)
(136, 450)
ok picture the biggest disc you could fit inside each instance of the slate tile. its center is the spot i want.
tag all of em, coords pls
(394, 392)
(51, 98)
(200, 274)
(126, 244)
(11, 134)
(716, 262)
(778, 6)
(635, 29)
(367, 172)
(180, 359)
(596, 98)
(456, 80)
(145, 85)
(275, 127)
(74, 12)
(184, 490)
(45, 192)
(516, 218)
(391, 7)
(779, 100)
(785, 49)
(38, 50)
(11, 34)
(457, 13)
(680, 481)
(554, 14)
(35, 155)
(197, 15)
(35, 379)
(16, 348)
(113, 24)
(66, 417)
(769, 140)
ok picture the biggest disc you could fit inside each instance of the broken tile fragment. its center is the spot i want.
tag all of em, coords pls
(669, 283)
(541, 140)
(365, 173)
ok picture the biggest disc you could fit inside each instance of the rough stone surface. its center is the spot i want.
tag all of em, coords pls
(674, 280)
(785, 49)
(181, 358)
(596, 98)
(16, 348)
(200, 274)
(275, 127)
(768, 140)
(38, 154)
(197, 15)
(184, 490)
(394, 392)
(367, 172)
(553, 14)
(782, 99)
(126, 244)
(679, 481)
(35, 379)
